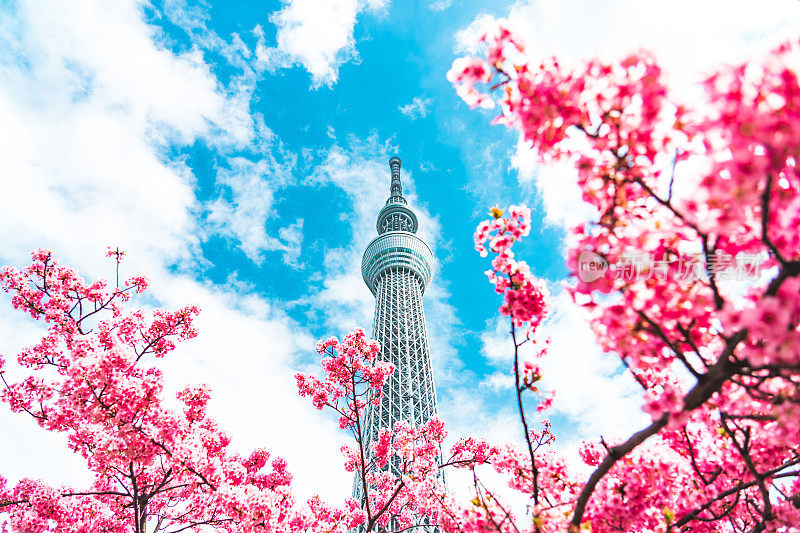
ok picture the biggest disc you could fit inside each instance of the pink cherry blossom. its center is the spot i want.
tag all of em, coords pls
(91, 378)
(718, 365)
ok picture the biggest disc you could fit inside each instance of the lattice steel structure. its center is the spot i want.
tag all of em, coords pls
(398, 267)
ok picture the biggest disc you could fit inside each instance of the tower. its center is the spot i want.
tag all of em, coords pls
(398, 267)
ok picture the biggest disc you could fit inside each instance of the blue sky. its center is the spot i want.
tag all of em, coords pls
(403, 55)
(238, 151)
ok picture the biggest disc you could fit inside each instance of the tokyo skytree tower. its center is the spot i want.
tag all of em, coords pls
(398, 267)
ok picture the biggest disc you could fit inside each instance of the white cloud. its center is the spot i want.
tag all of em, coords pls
(377, 6)
(361, 172)
(591, 388)
(475, 420)
(90, 101)
(316, 34)
(498, 381)
(417, 108)
(251, 206)
(440, 5)
(292, 236)
(467, 39)
(689, 39)
(427, 166)
(130, 72)
(557, 186)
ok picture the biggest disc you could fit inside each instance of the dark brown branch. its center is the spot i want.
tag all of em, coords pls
(706, 386)
(774, 473)
(766, 512)
(534, 470)
(659, 332)
(765, 201)
(362, 455)
(695, 466)
(614, 454)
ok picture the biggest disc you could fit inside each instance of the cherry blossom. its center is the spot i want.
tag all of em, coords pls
(354, 380)
(91, 377)
(718, 364)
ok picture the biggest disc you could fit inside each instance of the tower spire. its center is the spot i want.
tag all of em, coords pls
(396, 215)
(397, 187)
(396, 190)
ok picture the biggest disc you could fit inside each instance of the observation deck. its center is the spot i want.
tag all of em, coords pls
(397, 249)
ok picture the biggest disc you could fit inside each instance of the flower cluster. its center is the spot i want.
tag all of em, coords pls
(353, 377)
(418, 492)
(720, 180)
(87, 379)
(399, 470)
(552, 480)
(525, 297)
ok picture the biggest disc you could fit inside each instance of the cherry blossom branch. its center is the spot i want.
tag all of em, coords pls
(371, 522)
(658, 331)
(520, 407)
(213, 521)
(362, 456)
(506, 513)
(615, 453)
(96, 493)
(693, 457)
(706, 386)
(708, 251)
(12, 502)
(766, 511)
(765, 211)
(735, 490)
